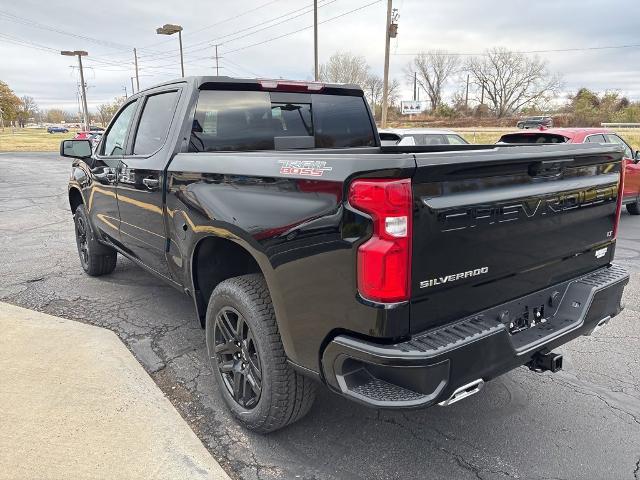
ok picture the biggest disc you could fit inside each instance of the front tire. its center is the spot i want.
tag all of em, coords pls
(96, 259)
(263, 392)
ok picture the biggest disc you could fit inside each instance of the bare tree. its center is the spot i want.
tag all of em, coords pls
(373, 89)
(511, 81)
(28, 109)
(433, 70)
(345, 68)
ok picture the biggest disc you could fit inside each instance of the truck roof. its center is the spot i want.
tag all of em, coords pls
(199, 81)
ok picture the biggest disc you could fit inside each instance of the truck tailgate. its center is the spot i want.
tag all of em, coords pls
(490, 226)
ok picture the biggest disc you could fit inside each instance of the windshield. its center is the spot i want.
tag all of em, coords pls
(424, 139)
(250, 120)
(532, 138)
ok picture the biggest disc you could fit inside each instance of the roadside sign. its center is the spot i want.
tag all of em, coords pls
(412, 107)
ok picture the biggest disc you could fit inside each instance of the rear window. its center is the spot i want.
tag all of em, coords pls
(424, 139)
(532, 138)
(246, 120)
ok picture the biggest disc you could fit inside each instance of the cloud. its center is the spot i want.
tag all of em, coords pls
(464, 26)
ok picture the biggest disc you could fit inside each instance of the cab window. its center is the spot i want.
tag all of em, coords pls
(113, 144)
(155, 122)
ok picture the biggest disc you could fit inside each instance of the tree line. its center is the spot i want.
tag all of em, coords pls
(18, 111)
(499, 84)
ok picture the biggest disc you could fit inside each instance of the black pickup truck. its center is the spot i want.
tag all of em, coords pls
(397, 276)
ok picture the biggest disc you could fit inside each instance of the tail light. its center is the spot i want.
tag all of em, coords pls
(623, 169)
(384, 261)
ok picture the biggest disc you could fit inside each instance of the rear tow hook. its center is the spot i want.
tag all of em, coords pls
(546, 362)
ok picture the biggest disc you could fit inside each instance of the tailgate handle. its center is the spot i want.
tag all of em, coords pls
(549, 168)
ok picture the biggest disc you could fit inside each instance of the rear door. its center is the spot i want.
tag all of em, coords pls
(140, 181)
(491, 226)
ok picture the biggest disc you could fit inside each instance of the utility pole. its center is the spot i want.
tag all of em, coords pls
(415, 86)
(124, 87)
(1, 120)
(132, 89)
(85, 109)
(217, 63)
(315, 40)
(391, 32)
(135, 59)
(170, 29)
(466, 97)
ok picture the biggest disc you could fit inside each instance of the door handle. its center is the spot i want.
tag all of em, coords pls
(151, 183)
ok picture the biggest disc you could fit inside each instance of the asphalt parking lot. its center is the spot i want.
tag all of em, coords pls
(583, 422)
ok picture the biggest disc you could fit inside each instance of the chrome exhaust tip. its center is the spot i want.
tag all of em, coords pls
(463, 392)
(600, 324)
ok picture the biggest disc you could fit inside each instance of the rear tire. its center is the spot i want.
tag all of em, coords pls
(96, 259)
(263, 392)
(634, 208)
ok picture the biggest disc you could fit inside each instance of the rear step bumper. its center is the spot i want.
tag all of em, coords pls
(452, 362)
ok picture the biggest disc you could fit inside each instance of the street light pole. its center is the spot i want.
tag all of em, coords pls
(181, 57)
(170, 29)
(385, 88)
(315, 39)
(135, 59)
(217, 61)
(80, 54)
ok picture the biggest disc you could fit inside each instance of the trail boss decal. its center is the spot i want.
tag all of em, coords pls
(307, 168)
(453, 278)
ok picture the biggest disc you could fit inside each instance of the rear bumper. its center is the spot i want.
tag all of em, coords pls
(431, 366)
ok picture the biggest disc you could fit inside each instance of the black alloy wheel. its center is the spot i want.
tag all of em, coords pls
(82, 239)
(237, 357)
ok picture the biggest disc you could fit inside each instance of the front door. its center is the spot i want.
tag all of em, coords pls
(631, 169)
(140, 182)
(101, 198)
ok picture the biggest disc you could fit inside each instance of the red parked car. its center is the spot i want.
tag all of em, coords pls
(631, 196)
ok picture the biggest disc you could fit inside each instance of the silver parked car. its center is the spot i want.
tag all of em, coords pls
(420, 137)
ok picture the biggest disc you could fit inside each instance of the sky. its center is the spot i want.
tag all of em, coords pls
(270, 38)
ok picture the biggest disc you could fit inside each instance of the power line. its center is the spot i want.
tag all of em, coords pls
(193, 47)
(304, 28)
(226, 60)
(31, 23)
(228, 19)
(553, 50)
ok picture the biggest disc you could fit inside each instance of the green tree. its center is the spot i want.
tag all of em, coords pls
(54, 115)
(106, 111)
(9, 103)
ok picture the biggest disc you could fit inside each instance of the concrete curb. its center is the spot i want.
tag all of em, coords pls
(75, 403)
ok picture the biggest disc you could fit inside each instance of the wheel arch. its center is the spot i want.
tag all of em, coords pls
(215, 259)
(75, 199)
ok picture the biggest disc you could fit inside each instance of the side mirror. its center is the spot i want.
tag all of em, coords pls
(636, 157)
(76, 148)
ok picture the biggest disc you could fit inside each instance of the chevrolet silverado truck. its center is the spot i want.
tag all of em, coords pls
(399, 277)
